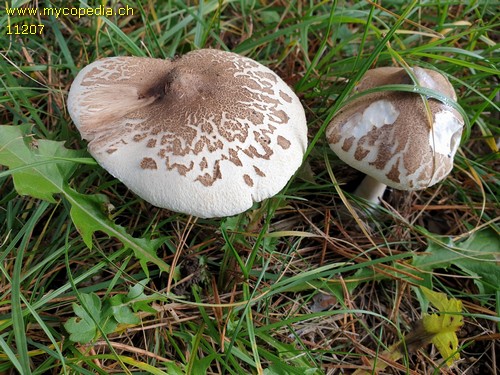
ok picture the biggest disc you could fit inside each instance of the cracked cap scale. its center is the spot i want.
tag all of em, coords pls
(207, 134)
(387, 135)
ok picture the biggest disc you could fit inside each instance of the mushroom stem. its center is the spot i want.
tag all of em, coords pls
(370, 189)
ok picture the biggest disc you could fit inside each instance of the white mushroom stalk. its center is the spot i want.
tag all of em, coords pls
(387, 134)
(370, 189)
(207, 134)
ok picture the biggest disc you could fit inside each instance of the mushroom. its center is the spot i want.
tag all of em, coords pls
(206, 134)
(389, 135)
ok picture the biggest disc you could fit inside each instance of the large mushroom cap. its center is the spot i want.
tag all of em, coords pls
(207, 134)
(387, 134)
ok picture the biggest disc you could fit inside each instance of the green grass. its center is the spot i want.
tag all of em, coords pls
(162, 293)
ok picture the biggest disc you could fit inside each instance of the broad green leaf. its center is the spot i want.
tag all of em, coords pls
(107, 324)
(95, 317)
(202, 364)
(41, 168)
(121, 312)
(477, 256)
(31, 162)
(140, 301)
(270, 16)
(87, 213)
(137, 290)
(124, 315)
(483, 254)
(444, 324)
(82, 328)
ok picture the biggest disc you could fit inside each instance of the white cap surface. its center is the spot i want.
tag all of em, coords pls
(207, 134)
(387, 134)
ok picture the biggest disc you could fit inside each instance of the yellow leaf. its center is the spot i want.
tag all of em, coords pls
(444, 324)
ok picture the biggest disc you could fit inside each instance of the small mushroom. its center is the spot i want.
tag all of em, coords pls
(389, 136)
(207, 134)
